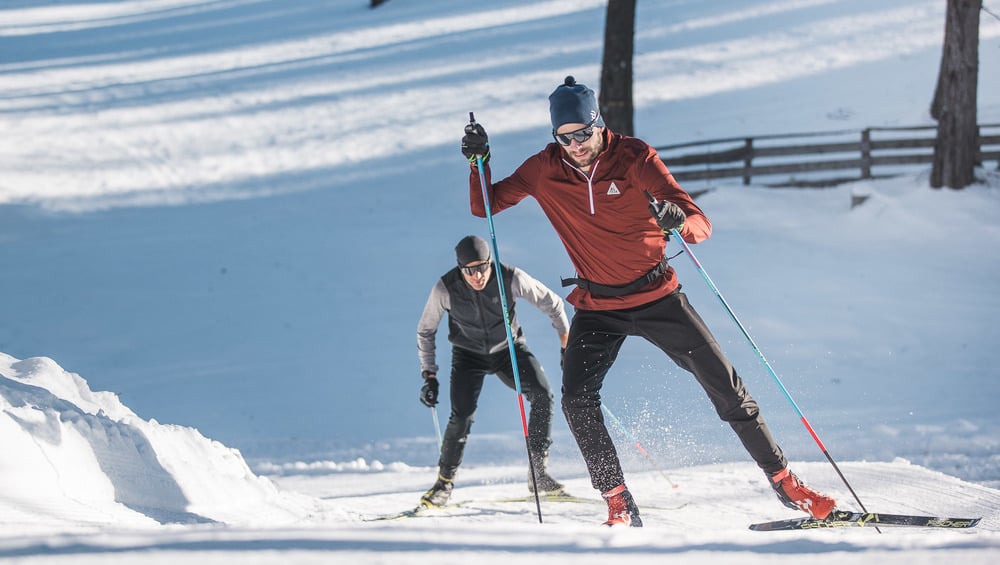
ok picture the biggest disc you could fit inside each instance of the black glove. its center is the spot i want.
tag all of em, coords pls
(429, 392)
(476, 142)
(668, 215)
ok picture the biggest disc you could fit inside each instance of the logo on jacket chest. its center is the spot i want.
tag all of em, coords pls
(613, 190)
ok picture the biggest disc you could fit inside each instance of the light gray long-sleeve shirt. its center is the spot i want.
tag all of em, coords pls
(474, 316)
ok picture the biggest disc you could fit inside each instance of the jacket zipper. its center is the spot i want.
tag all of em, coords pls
(478, 296)
(589, 179)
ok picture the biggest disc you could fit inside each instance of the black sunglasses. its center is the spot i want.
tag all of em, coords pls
(476, 269)
(579, 135)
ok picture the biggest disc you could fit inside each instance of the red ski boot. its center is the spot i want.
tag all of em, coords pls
(622, 510)
(793, 493)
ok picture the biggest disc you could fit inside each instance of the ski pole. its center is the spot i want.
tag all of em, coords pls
(763, 360)
(506, 325)
(437, 426)
(638, 446)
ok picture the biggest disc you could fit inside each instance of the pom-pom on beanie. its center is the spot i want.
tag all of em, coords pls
(572, 103)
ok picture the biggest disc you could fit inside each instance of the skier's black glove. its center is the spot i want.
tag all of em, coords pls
(668, 215)
(429, 392)
(476, 142)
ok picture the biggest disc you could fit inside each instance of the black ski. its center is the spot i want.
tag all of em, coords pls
(842, 519)
(418, 511)
(458, 506)
(560, 497)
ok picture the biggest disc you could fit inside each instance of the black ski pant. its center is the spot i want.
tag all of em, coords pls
(671, 324)
(468, 371)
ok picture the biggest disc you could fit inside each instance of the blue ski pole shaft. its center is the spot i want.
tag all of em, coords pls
(506, 317)
(638, 446)
(437, 426)
(763, 360)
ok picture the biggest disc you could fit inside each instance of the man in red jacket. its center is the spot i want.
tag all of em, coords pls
(591, 183)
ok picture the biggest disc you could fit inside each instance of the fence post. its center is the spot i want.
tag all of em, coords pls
(866, 153)
(979, 147)
(747, 160)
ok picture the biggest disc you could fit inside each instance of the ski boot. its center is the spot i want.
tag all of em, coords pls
(438, 494)
(546, 484)
(793, 493)
(622, 510)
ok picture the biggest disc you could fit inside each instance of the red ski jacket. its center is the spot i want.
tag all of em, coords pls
(602, 218)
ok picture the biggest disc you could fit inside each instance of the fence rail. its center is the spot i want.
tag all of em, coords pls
(808, 159)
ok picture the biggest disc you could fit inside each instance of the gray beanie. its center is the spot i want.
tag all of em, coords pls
(572, 103)
(471, 249)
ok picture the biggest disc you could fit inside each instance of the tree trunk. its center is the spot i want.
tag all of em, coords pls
(616, 70)
(954, 104)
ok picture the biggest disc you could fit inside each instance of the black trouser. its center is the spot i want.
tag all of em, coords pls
(671, 324)
(467, 374)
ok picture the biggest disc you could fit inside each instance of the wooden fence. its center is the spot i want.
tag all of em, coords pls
(816, 159)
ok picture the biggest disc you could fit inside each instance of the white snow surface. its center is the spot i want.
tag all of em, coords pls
(226, 215)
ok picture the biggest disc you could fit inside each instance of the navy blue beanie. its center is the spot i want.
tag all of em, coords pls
(471, 249)
(572, 103)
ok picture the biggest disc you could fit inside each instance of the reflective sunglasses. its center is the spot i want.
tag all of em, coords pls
(476, 269)
(580, 135)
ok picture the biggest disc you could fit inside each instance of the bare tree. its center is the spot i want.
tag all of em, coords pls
(616, 70)
(954, 105)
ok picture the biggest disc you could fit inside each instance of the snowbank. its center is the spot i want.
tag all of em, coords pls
(73, 456)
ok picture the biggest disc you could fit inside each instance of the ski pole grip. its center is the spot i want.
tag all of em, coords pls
(472, 118)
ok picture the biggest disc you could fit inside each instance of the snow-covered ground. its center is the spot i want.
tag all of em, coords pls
(87, 480)
(229, 215)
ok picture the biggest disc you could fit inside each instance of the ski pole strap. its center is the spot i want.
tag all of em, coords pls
(619, 290)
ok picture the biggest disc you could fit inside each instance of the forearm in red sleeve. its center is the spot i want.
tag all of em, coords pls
(476, 192)
(502, 195)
